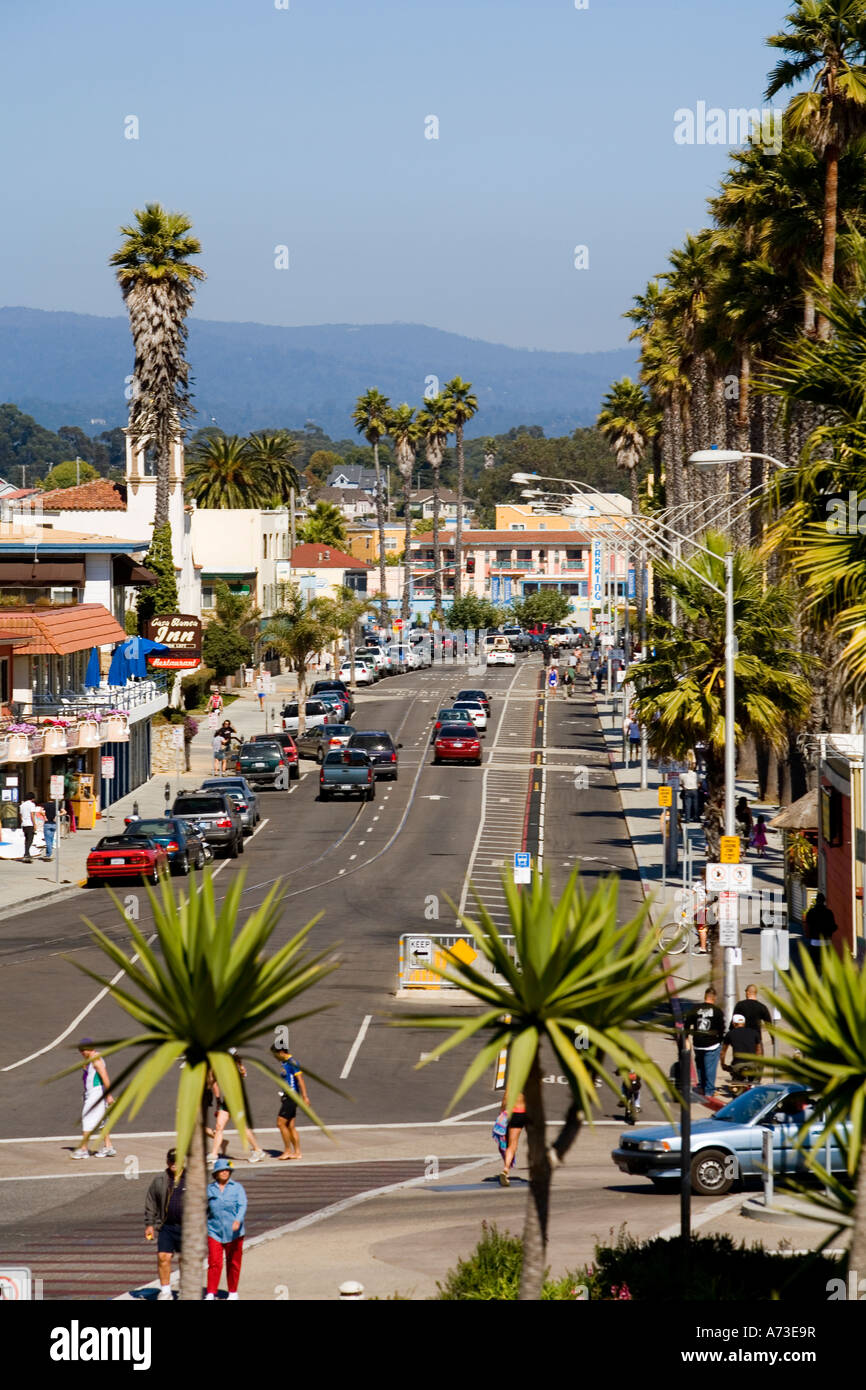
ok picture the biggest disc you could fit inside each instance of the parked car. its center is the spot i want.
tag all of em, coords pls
(347, 772)
(520, 640)
(324, 738)
(474, 695)
(342, 689)
(499, 653)
(183, 844)
(380, 749)
(377, 657)
(729, 1146)
(475, 710)
(218, 817)
(263, 764)
(126, 856)
(399, 660)
(457, 743)
(241, 792)
(288, 745)
(315, 712)
(365, 672)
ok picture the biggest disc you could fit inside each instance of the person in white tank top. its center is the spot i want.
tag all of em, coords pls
(96, 1099)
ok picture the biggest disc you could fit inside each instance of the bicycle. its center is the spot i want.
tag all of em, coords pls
(674, 938)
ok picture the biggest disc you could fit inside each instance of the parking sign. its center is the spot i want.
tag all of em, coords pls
(522, 867)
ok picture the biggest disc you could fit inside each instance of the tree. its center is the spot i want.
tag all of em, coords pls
(545, 606)
(578, 986)
(321, 465)
(825, 38)
(463, 406)
(275, 454)
(223, 471)
(471, 612)
(628, 422)
(156, 280)
(371, 419)
(325, 525)
(680, 687)
(300, 629)
(203, 988)
(68, 474)
(404, 433)
(344, 612)
(156, 599)
(223, 650)
(435, 423)
(238, 612)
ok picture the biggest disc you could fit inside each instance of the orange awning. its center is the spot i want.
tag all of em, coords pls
(60, 631)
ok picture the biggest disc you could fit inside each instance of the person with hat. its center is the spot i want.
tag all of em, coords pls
(97, 1098)
(743, 1043)
(226, 1208)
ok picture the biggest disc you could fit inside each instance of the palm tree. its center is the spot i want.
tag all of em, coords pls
(300, 629)
(371, 419)
(827, 40)
(435, 423)
(345, 611)
(275, 454)
(463, 406)
(680, 688)
(222, 472)
(325, 525)
(578, 985)
(824, 1026)
(627, 421)
(203, 988)
(403, 431)
(156, 280)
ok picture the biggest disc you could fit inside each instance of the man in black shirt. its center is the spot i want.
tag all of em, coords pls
(742, 1042)
(163, 1209)
(706, 1024)
(756, 1014)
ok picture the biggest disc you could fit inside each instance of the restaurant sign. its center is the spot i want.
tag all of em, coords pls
(181, 632)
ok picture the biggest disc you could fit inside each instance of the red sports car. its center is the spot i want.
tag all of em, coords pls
(126, 856)
(457, 743)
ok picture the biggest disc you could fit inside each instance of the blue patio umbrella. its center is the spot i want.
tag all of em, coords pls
(118, 671)
(91, 675)
(136, 651)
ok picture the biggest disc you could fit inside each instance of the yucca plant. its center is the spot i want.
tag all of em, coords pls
(824, 1025)
(202, 988)
(581, 984)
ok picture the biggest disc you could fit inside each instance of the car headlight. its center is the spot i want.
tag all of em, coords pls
(654, 1146)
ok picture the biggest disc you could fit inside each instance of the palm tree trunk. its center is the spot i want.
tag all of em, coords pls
(407, 541)
(437, 568)
(744, 442)
(194, 1229)
(301, 672)
(458, 530)
(828, 259)
(538, 1199)
(380, 522)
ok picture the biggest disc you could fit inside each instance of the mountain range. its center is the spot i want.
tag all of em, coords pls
(74, 369)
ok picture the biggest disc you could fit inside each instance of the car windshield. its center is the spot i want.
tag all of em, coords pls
(259, 740)
(471, 695)
(151, 828)
(371, 740)
(349, 757)
(744, 1109)
(124, 842)
(457, 731)
(469, 704)
(198, 805)
(339, 731)
(447, 713)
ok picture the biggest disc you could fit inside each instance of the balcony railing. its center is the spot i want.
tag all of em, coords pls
(22, 740)
(75, 704)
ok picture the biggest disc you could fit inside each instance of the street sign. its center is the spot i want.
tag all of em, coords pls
(522, 867)
(729, 907)
(666, 796)
(420, 950)
(106, 766)
(733, 878)
(56, 786)
(728, 934)
(177, 738)
(729, 849)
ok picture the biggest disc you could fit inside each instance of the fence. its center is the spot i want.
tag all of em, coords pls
(420, 954)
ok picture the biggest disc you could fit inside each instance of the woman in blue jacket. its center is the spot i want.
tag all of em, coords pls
(226, 1207)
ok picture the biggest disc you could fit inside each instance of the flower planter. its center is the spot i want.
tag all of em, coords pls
(37, 744)
(116, 729)
(19, 748)
(4, 750)
(88, 734)
(55, 741)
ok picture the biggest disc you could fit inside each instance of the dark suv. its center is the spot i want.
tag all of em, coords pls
(217, 816)
(380, 749)
(340, 688)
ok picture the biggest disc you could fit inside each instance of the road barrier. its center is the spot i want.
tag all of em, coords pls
(419, 954)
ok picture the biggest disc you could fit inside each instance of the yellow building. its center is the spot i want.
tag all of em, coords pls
(362, 541)
(521, 516)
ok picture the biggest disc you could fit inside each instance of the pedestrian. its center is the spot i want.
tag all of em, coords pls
(819, 925)
(500, 1134)
(214, 708)
(600, 675)
(689, 785)
(222, 1115)
(260, 690)
(516, 1125)
(626, 725)
(49, 826)
(759, 837)
(218, 745)
(163, 1215)
(706, 1024)
(190, 729)
(743, 1042)
(27, 816)
(545, 653)
(226, 1207)
(743, 817)
(70, 790)
(552, 680)
(295, 1085)
(568, 680)
(756, 1014)
(97, 1098)
(634, 740)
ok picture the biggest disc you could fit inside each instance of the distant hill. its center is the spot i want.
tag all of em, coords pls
(70, 369)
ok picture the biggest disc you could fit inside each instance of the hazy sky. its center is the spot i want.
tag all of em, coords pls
(305, 127)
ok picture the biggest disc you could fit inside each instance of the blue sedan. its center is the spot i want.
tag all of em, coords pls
(729, 1146)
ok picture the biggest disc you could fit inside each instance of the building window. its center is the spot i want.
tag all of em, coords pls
(208, 598)
(64, 595)
(542, 526)
(517, 526)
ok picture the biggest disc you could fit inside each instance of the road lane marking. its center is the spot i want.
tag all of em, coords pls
(356, 1046)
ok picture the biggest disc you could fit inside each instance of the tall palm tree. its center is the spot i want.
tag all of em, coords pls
(404, 433)
(435, 423)
(371, 419)
(156, 280)
(680, 688)
(222, 472)
(203, 988)
(463, 406)
(300, 629)
(628, 422)
(325, 525)
(275, 454)
(578, 985)
(827, 40)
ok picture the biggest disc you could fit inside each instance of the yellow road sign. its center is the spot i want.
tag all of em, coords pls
(666, 796)
(463, 951)
(729, 849)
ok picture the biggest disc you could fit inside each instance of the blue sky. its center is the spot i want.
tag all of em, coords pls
(305, 127)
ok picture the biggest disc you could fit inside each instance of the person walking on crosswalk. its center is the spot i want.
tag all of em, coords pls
(97, 1098)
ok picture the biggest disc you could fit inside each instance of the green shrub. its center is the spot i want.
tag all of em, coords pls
(492, 1271)
(195, 688)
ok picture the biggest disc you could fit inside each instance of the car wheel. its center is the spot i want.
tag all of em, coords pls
(320, 756)
(371, 794)
(436, 761)
(324, 796)
(232, 850)
(477, 762)
(241, 845)
(711, 1172)
(154, 876)
(183, 867)
(201, 861)
(294, 772)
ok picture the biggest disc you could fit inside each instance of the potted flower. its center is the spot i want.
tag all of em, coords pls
(19, 742)
(116, 726)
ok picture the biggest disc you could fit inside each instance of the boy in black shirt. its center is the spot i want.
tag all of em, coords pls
(706, 1024)
(756, 1014)
(742, 1041)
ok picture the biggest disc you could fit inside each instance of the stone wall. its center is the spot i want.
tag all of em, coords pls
(163, 754)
